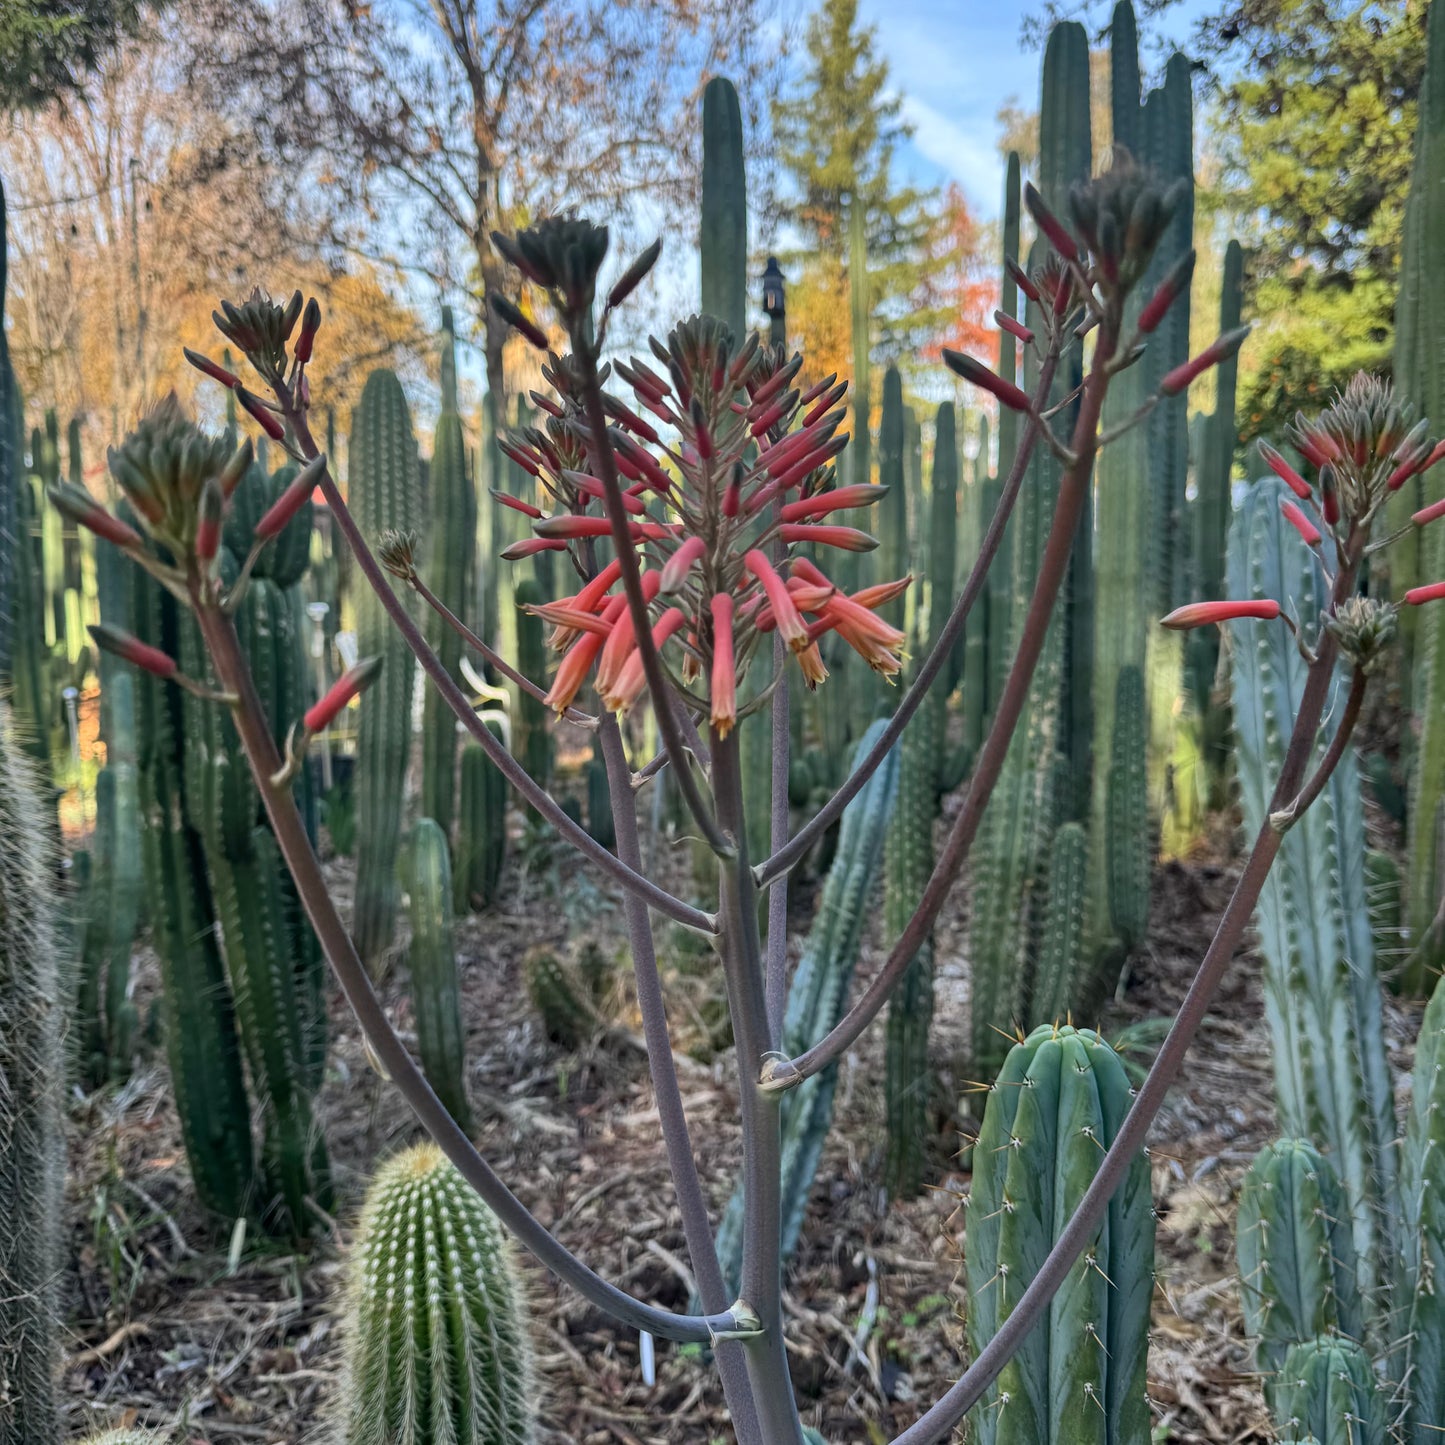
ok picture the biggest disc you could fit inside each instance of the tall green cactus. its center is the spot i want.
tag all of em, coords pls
(531, 737)
(1420, 375)
(892, 511)
(30, 678)
(437, 1346)
(10, 478)
(1322, 994)
(383, 485)
(451, 575)
(32, 1081)
(1055, 1108)
(818, 995)
(1295, 1250)
(724, 231)
(1326, 1390)
(481, 828)
(1061, 941)
(435, 990)
(1128, 845)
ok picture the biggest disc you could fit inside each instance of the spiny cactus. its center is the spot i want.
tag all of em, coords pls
(10, 478)
(481, 828)
(30, 677)
(1127, 846)
(1061, 944)
(32, 1080)
(817, 996)
(435, 990)
(1326, 1389)
(1056, 1105)
(450, 573)
(1322, 995)
(1295, 1250)
(600, 823)
(891, 513)
(383, 495)
(560, 997)
(437, 1347)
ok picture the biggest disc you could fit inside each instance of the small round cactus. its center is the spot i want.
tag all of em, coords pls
(125, 1435)
(438, 1352)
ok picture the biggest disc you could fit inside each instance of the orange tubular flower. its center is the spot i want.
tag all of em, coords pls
(1201, 614)
(724, 665)
(789, 623)
(631, 678)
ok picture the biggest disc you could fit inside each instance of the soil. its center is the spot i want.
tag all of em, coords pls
(236, 1338)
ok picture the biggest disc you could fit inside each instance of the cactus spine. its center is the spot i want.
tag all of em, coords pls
(450, 574)
(1326, 1390)
(1295, 1250)
(481, 829)
(384, 481)
(32, 1145)
(1058, 1102)
(435, 990)
(437, 1348)
(817, 996)
(1322, 996)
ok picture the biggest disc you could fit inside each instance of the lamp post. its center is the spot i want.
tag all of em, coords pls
(775, 304)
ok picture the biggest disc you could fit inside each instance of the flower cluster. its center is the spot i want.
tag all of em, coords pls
(1363, 449)
(728, 473)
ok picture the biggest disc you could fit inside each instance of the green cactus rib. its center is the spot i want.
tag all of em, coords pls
(202, 1048)
(435, 988)
(437, 1346)
(1322, 994)
(938, 557)
(1420, 1316)
(1326, 1390)
(481, 828)
(383, 495)
(817, 996)
(32, 1081)
(891, 519)
(1128, 844)
(908, 862)
(724, 231)
(1061, 945)
(1295, 1251)
(30, 680)
(1080, 1377)
(451, 574)
(531, 738)
(11, 537)
(600, 822)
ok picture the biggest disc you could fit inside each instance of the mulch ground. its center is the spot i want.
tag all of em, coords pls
(232, 1338)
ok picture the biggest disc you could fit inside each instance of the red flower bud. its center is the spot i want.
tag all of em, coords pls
(1433, 593)
(310, 325)
(133, 650)
(80, 507)
(1221, 350)
(1301, 524)
(529, 547)
(1284, 471)
(516, 503)
(680, 564)
(1329, 495)
(237, 467)
(210, 368)
(321, 714)
(1005, 322)
(1429, 514)
(838, 500)
(257, 409)
(1169, 290)
(1020, 278)
(849, 539)
(291, 500)
(210, 513)
(1201, 614)
(979, 375)
(1050, 224)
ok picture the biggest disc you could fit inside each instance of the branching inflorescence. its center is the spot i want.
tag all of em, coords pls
(685, 515)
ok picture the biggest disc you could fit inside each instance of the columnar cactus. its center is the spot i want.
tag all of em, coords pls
(32, 1081)
(451, 575)
(384, 497)
(437, 1346)
(481, 829)
(1296, 1252)
(1061, 941)
(1128, 843)
(531, 738)
(1322, 994)
(1326, 1390)
(561, 998)
(819, 993)
(724, 230)
(10, 477)
(435, 989)
(1055, 1107)
(891, 517)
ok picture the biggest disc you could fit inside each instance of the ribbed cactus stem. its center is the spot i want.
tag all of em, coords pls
(32, 1081)
(1326, 1390)
(1322, 993)
(1061, 941)
(10, 479)
(892, 512)
(1080, 1378)
(532, 738)
(435, 988)
(724, 231)
(1295, 1251)
(561, 998)
(437, 1346)
(451, 574)
(383, 495)
(481, 829)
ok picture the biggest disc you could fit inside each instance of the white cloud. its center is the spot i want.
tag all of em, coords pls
(960, 150)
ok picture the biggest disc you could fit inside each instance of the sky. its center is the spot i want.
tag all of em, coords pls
(956, 62)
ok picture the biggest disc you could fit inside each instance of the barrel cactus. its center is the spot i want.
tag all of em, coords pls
(1054, 1109)
(437, 1348)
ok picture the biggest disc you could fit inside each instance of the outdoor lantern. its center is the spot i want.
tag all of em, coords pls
(774, 301)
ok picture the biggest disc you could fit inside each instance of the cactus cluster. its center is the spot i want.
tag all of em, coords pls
(437, 1346)
(481, 846)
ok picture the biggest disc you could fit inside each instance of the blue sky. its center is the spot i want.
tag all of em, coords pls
(956, 62)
